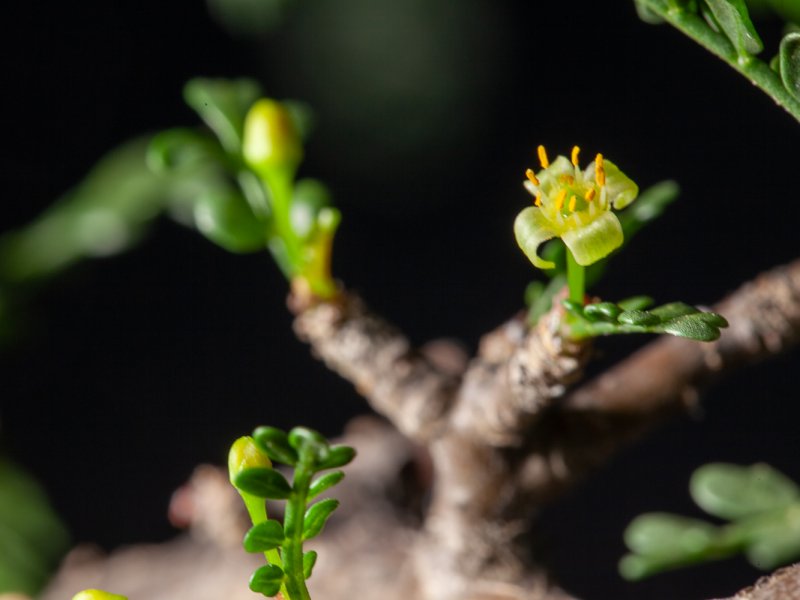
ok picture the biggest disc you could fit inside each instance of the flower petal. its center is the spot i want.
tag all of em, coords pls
(594, 241)
(621, 189)
(531, 228)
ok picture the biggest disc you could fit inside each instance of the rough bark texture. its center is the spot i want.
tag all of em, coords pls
(497, 439)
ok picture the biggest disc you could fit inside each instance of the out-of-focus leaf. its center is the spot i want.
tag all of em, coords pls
(267, 580)
(734, 492)
(249, 18)
(224, 217)
(789, 61)
(223, 104)
(647, 14)
(32, 539)
(668, 535)
(180, 148)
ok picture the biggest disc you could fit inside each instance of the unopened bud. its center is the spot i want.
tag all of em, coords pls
(244, 454)
(271, 140)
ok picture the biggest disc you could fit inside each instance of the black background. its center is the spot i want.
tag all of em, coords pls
(138, 367)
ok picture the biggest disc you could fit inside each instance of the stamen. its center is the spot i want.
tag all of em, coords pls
(575, 151)
(538, 201)
(532, 177)
(599, 172)
(543, 156)
(566, 179)
(572, 202)
(590, 195)
(562, 194)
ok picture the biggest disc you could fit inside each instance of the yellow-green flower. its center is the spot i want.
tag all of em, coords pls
(575, 205)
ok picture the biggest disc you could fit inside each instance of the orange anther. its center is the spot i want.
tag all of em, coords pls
(542, 157)
(532, 177)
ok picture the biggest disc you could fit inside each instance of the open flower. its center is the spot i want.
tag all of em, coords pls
(575, 205)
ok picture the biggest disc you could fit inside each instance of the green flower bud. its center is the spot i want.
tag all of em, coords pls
(271, 140)
(97, 595)
(244, 454)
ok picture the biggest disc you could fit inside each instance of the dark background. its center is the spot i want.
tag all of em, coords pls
(136, 368)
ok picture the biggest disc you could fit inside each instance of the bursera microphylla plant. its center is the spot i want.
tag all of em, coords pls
(577, 205)
(251, 473)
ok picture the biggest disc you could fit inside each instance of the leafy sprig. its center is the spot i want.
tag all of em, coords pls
(308, 452)
(632, 316)
(725, 29)
(761, 504)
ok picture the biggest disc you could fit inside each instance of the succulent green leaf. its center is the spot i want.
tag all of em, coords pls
(647, 14)
(605, 311)
(181, 148)
(620, 188)
(324, 483)
(310, 197)
(667, 535)
(316, 516)
(264, 536)
(641, 318)
(303, 440)
(596, 240)
(309, 560)
(225, 218)
(734, 20)
(789, 62)
(778, 542)
(275, 443)
(734, 492)
(262, 483)
(673, 310)
(338, 456)
(692, 327)
(531, 229)
(267, 580)
(636, 303)
(223, 104)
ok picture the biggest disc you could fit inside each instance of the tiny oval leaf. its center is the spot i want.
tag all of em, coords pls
(264, 536)
(734, 20)
(275, 443)
(789, 60)
(267, 580)
(338, 456)
(263, 483)
(309, 560)
(324, 483)
(317, 515)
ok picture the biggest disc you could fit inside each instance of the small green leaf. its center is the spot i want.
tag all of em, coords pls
(647, 14)
(323, 483)
(638, 317)
(309, 560)
(225, 218)
(712, 318)
(304, 439)
(668, 535)
(264, 536)
(665, 312)
(635, 303)
(779, 541)
(338, 456)
(692, 327)
(734, 492)
(223, 104)
(181, 148)
(790, 63)
(262, 483)
(606, 311)
(316, 516)
(573, 306)
(734, 20)
(267, 580)
(275, 443)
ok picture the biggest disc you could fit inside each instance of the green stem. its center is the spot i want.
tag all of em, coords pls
(576, 279)
(757, 71)
(293, 527)
(257, 509)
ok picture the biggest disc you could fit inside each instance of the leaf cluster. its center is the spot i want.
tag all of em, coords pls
(761, 504)
(309, 453)
(633, 316)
